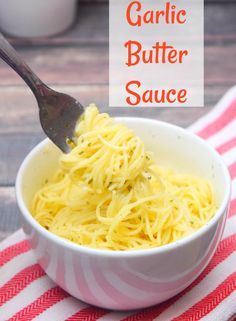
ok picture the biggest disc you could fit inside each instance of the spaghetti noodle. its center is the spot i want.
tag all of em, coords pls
(109, 194)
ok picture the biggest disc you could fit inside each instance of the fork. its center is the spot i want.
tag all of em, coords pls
(58, 112)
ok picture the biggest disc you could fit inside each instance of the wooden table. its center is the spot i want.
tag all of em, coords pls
(77, 63)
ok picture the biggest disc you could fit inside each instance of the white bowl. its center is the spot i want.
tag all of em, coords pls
(27, 18)
(131, 279)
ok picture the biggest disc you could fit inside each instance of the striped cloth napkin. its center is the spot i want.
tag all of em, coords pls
(26, 293)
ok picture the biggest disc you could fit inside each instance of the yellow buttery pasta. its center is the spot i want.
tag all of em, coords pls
(108, 193)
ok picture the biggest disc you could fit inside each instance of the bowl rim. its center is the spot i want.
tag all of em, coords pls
(129, 253)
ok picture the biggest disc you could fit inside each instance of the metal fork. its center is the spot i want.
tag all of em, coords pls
(58, 112)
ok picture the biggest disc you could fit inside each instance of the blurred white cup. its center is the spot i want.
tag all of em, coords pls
(36, 18)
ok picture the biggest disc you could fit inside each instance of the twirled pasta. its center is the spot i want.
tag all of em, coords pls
(108, 193)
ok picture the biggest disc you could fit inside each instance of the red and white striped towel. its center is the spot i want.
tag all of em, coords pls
(26, 293)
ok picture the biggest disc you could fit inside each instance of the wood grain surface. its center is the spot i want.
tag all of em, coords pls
(76, 62)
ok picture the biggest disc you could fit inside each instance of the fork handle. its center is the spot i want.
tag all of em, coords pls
(12, 58)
